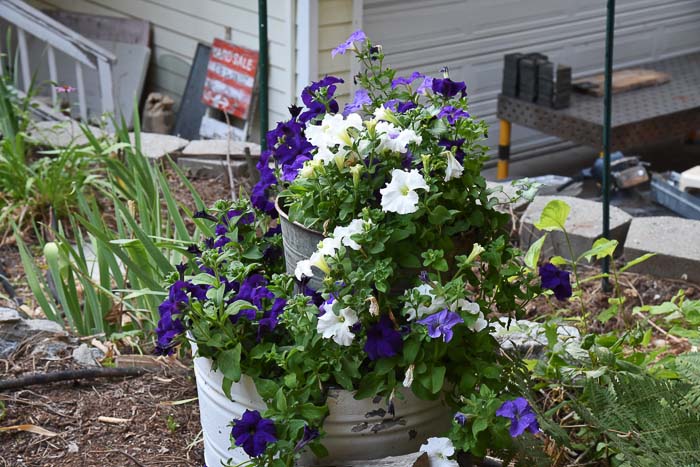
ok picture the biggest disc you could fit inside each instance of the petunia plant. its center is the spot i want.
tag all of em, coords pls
(414, 263)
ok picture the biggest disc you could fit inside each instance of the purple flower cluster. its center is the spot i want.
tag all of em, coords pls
(169, 325)
(356, 36)
(383, 340)
(288, 145)
(361, 98)
(557, 280)
(253, 432)
(254, 291)
(521, 416)
(454, 145)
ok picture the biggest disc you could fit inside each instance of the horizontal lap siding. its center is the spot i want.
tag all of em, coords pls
(177, 26)
(472, 36)
(335, 25)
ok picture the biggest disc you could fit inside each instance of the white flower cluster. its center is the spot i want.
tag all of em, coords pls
(335, 141)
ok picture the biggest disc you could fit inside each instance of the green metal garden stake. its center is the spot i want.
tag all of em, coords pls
(607, 116)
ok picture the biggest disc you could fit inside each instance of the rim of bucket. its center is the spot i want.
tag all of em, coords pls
(284, 215)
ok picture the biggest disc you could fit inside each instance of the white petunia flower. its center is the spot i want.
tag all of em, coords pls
(382, 113)
(400, 195)
(408, 379)
(303, 269)
(479, 324)
(473, 308)
(395, 139)
(337, 327)
(436, 304)
(333, 130)
(439, 449)
(454, 169)
(343, 234)
(328, 246)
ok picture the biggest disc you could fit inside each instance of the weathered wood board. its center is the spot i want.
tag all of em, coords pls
(623, 80)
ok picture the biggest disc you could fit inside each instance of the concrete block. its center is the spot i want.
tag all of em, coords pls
(210, 168)
(61, 134)
(676, 242)
(216, 149)
(156, 146)
(584, 225)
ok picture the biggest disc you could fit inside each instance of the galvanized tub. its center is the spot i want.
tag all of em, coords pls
(299, 243)
(355, 429)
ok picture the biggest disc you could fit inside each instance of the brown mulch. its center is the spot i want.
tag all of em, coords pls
(150, 433)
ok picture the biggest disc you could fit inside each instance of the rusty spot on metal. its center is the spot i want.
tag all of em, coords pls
(386, 424)
(412, 434)
(361, 427)
(376, 413)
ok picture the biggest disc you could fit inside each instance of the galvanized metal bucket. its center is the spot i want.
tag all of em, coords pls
(299, 244)
(355, 429)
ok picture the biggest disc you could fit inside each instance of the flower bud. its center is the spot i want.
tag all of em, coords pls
(355, 170)
(426, 163)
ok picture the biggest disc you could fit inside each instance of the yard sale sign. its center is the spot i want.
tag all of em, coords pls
(230, 78)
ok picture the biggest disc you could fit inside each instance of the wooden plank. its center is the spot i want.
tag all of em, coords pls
(80, 84)
(53, 76)
(106, 88)
(623, 81)
(418, 459)
(106, 28)
(24, 59)
(335, 12)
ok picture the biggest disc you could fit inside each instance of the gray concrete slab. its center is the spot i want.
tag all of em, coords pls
(61, 134)
(584, 226)
(156, 146)
(675, 241)
(217, 148)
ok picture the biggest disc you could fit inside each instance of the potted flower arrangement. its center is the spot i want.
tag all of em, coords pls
(393, 243)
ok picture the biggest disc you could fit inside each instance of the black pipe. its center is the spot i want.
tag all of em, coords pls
(607, 118)
(263, 72)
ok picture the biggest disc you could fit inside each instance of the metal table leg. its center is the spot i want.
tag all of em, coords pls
(503, 150)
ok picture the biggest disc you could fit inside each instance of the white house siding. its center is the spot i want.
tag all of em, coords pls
(471, 37)
(177, 26)
(334, 26)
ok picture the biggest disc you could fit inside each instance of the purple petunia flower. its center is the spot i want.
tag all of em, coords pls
(383, 341)
(198, 291)
(270, 318)
(449, 88)
(361, 98)
(309, 435)
(253, 432)
(521, 416)
(315, 108)
(425, 85)
(244, 219)
(406, 80)
(452, 114)
(260, 195)
(253, 290)
(460, 418)
(441, 324)
(356, 36)
(557, 280)
(168, 326)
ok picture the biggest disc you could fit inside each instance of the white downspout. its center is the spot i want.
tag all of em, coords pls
(306, 44)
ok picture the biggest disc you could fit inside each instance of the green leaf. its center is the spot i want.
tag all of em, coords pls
(439, 215)
(600, 249)
(409, 261)
(313, 414)
(230, 363)
(532, 256)
(554, 216)
(281, 400)
(607, 314)
(479, 425)
(438, 379)
(636, 261)
(559, 261)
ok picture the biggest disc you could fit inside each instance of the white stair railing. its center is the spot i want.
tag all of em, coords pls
(29, 20)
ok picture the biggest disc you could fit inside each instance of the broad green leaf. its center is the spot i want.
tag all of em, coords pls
(607, 314)
(600, 249)
(554, 216)
(479, 425)
(438, 379)
(533, 253)
(230, 363)
(559, 261)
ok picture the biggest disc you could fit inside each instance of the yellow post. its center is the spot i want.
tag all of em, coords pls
(503, 150)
